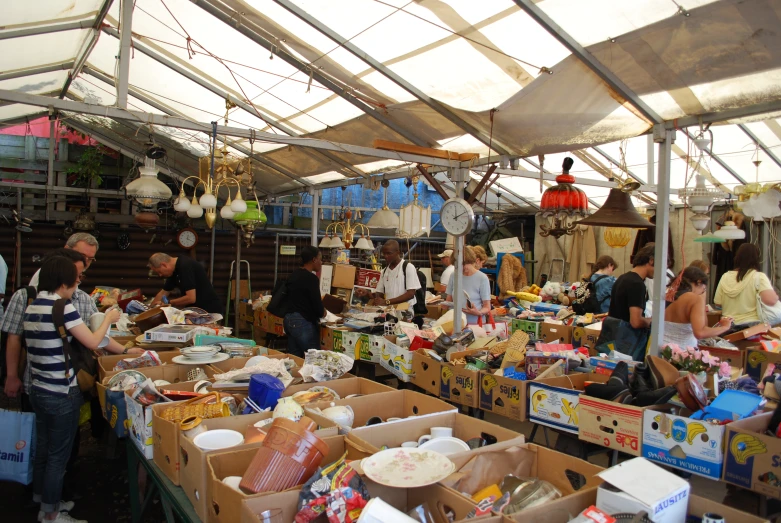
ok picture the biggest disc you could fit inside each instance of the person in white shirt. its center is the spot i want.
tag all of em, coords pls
(82, 242)
(399, 280)
(447, 261)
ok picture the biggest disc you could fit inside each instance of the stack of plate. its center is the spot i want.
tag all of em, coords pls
(200, 355)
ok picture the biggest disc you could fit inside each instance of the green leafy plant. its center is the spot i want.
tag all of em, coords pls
(87, 168)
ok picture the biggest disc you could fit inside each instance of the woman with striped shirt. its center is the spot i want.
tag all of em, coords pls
(55, 395)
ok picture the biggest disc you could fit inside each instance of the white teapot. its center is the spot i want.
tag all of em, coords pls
(341, 415)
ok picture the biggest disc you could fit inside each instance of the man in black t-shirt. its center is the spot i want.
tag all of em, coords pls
(186, 274)
(625, 327)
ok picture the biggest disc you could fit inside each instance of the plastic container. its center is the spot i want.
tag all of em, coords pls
(209, 339)
(265, 390)
(420, 343)
(730, 405)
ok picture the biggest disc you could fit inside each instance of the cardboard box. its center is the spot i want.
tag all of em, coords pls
(586, 336)
(567, 473)
(344, 276)
(506, 397)
(140, 426)
(344, 387)
(752, 457)
(756, 330)
(661, 494)
(607, 366)
(331, 338)
(436, 311)
(372, 438)
(757, 361)
(364, 347)
(438, 498)
(563, 509)
(552, 333)
(397, 360)
(393, 404)
(426, 372)
(713, 317)
(192, 460)
(554, 401)
(459, 385)
(679, 442)
(238, 363)
(224, 505)
(612, 425)
(171, 333)
(106, 363)
(533, 328)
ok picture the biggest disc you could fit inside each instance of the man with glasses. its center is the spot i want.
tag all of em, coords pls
(81, 242)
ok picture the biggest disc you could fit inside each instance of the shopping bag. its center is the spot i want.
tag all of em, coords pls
(116, 412)
(17, 446)
(492, 328)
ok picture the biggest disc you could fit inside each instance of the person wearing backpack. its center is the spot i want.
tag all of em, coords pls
(602, 279)
(399, 282)
(302, 306)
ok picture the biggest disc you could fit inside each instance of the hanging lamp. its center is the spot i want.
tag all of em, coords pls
(700, 199)
(414, 219)
(618, 209)
(384, 218)
(730, 231)
(617, 237)
(708, 238)
(562, 203)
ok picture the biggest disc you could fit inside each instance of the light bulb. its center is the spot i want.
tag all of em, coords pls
(227, 213)
(195, 210)
(239, 205)
(208, 201)
(182, 203)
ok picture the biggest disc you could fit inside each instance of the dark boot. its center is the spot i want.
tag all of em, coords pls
(653, 397)
(620, 374)
(640, 380)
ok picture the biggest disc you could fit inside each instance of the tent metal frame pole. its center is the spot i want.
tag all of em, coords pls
(717, 159)
(125, 40)
(726, 115)
(230, 18)
(315, 214)
(388, 73)
(43, 29)
(82, 58)
(460, 178)
(49, 68)
(661, 239)
(588, 59)
(650, 158)
(760, 144)
(254, 111)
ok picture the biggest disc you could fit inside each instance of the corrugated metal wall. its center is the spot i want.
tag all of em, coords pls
(127, 269)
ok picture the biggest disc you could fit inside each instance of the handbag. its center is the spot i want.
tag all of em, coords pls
(17, 446)
(770, 314)
(492, 327)
(85, 365)
(116, 412)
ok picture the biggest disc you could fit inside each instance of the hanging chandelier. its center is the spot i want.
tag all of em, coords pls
(757, 201)
(384, 218)
(250, 219)
(332, 240)
(147, 190)
(414, 219)
(700, 199)
(561, 204)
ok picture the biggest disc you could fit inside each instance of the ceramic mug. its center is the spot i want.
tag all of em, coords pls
(96, 320)
(393, 419)
(441, 432)
(377, 511)
(410, 444)
(710, 517)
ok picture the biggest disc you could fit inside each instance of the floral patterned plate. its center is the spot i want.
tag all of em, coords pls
(407, 467)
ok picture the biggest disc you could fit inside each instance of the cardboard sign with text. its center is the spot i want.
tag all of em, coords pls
(506, 397)
(368, 278)
(555, 401)
(753, 459)
(611, 425)
(426, 372)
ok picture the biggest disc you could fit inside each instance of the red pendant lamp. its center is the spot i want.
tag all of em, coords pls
(562, 203)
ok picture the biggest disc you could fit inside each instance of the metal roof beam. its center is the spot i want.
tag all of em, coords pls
(717, 159)
(139, 46)
(612, 160)
(168, 110)
(46, 28)
(760, 144)
(30, 71)
(182, 123)
(390, 75)
(726, 115)
(588, 59)
(230, 17)
(125, 41)
(81, 59)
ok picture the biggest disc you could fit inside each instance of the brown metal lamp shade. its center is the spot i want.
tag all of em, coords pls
(617, 210)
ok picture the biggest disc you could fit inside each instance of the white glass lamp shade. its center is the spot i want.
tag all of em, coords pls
(208, 200)
(195, 210)
(700, 198)
(227, 213)
(700, 222)
(238, 205)
(181, 204)
(325, 242)
(730, 232)
(337, 243)
(415, 220)
(147, 189)
(384, 219)
(364, 244)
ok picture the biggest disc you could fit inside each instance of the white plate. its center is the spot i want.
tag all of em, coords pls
(184, 360)
(218, 439)
(407, 467)
(445, 446)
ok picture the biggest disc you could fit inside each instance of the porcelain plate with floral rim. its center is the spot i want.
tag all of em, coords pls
(407, 467)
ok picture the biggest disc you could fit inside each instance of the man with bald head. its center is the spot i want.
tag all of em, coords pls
(399, 279)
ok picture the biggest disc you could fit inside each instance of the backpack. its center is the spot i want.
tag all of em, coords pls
(278, 304)
(420, 294)
(586, 297)
(85, 365)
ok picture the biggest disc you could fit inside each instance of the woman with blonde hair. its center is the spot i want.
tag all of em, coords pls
(481, 256)
(476, 287)
(738, 289)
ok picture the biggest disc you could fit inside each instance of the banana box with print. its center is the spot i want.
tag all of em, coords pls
(533, 328)
(459, 385)
(753, 458)
(503, 395)
(555, 402)
(361, 346)
(678, 441)
(757, 361)
(397, 359)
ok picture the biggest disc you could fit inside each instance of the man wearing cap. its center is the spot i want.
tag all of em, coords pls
(447, 262)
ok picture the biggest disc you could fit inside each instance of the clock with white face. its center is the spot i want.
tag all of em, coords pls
(187, 238)
(457, 216)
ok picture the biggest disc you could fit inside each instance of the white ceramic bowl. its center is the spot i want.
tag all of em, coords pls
(218, 439)
(445, 445)
(232, 482)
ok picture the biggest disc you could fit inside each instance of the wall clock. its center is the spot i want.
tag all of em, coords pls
(123, 241)
(187, 238)
(457, 216)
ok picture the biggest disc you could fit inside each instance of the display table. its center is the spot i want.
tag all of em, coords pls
(175, 504)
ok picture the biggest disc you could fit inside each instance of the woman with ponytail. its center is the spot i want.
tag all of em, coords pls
(685, 320)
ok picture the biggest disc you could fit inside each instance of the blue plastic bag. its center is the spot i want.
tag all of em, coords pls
(17, 446)
(116, 412)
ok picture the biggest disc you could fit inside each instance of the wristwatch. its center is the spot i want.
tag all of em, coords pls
(125, 351)
(387, 302)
